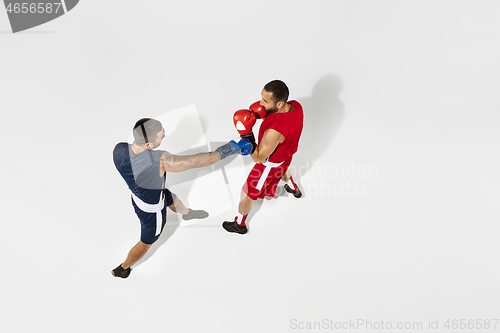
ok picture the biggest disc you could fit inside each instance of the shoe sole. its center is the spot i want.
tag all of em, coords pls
(237, 232)
(192, 218)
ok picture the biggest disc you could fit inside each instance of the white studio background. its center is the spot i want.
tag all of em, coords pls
(398, 162)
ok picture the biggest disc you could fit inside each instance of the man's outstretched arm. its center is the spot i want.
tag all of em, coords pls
(178, 163)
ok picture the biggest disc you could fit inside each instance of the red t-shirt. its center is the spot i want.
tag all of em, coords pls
(290, 126)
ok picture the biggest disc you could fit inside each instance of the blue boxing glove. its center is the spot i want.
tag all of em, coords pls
(246, 147)
(228, 149)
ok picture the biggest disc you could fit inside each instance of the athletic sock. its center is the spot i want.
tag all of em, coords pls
(291, 184)
(240, 219)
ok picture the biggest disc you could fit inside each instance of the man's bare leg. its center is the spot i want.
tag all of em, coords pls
(137, 252)
(245, 205)
(286, 176)
(178, 207)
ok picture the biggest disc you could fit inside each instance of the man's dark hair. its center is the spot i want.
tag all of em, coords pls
(278, 89)
(146, 130)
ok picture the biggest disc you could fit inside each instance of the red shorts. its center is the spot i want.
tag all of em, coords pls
(263, 180)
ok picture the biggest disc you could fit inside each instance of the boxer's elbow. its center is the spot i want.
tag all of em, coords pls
(258, 158)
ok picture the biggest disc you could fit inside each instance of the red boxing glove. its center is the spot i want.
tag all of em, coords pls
(244, 121)
(260, 112)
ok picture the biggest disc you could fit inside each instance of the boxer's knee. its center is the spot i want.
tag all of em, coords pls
(142, 246)
(245, 197)
(286, 176)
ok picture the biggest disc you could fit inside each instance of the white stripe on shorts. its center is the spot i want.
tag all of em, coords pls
(148, 208)
(263, 177)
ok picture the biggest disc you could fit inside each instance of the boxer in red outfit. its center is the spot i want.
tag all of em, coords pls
(279, 136)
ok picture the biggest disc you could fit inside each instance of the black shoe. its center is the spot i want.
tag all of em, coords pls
(296, 194)
(120, 272)
(235, 227)
(195, 214)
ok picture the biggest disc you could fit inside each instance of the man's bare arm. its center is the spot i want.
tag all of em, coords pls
(270, 140)
(178, 163)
